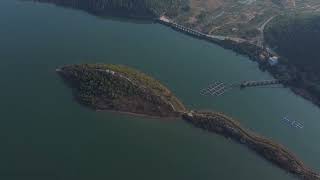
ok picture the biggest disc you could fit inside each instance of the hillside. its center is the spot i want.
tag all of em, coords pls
(128, 8)
(296, 37)
(120, 88)
(277, 154)
(233, 18)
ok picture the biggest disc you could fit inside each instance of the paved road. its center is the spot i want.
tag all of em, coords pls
(261, 29)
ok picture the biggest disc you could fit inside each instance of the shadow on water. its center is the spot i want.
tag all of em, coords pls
(116, 15)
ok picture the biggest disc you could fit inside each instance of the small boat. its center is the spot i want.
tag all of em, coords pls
(292, 123)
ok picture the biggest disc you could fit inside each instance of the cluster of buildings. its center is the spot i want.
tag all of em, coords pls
(271, 59)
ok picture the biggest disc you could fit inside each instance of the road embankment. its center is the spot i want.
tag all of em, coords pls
(188, 31)
(275, 153)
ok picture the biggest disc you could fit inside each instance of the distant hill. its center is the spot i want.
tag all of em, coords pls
(296, 37)
(129, 8)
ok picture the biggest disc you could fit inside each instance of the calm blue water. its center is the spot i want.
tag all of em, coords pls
(46, 135)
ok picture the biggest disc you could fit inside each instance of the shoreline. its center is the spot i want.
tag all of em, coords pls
(275, 153)
(139, 115)
(235, 124)
(217, 123)
(135, 93)
(237, 45)
(253, 52)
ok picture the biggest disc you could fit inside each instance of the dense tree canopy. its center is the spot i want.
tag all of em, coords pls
(121, 88)
(297, 38)
(136, 8)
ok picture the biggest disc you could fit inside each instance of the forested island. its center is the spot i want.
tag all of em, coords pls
(124, 89)
(291, 34)
(120, 88)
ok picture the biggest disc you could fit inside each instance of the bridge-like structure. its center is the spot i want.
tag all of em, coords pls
(262, 83)
(196, 33)
(219, 88)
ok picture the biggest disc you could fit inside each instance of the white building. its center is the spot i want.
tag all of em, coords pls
(274, 60)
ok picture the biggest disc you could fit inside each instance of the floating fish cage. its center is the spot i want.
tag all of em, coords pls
(292, 123)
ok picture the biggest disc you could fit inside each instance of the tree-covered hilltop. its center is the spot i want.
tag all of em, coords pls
(120, 88)
(129, 8)
(296, 37)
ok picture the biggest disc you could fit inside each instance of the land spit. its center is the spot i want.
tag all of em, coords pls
(275, 153)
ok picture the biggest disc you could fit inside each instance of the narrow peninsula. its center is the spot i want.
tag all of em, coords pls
(229, 128)
(124, 89)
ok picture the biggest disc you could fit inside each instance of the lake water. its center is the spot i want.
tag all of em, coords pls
(44, 134)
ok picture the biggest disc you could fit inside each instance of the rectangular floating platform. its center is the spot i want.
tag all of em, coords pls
(292, 123)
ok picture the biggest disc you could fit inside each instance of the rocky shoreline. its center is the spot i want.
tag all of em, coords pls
(275, 153)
